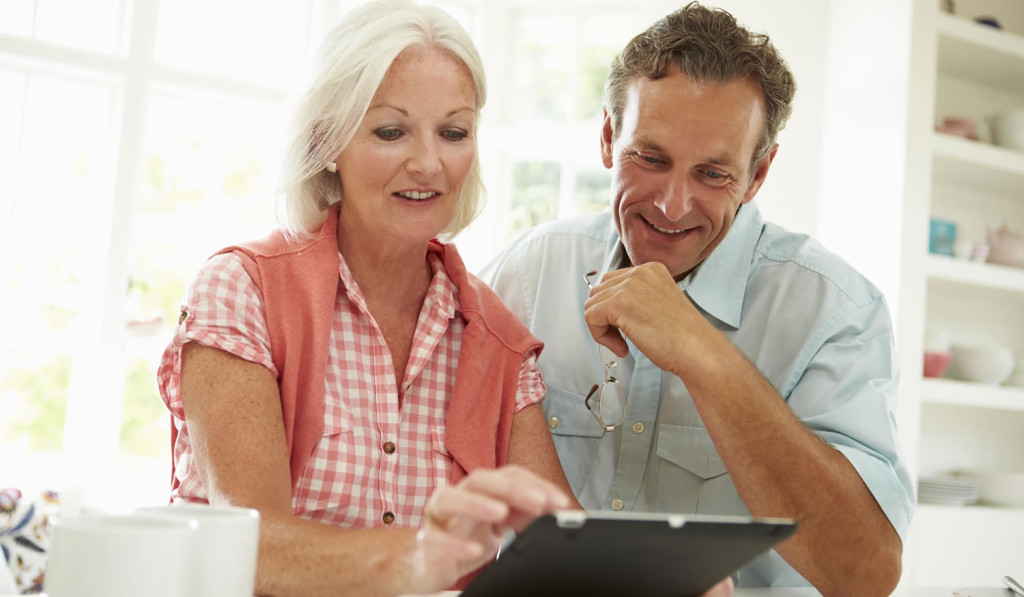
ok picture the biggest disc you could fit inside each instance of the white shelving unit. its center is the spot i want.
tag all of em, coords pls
(969, 395)
(965, 427)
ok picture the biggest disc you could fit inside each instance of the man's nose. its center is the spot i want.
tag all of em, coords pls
(425, 158)
(675, 200)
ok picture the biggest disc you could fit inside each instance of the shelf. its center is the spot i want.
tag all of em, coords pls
(973, 273)
(981, 54)
(972, 395)
(980, 510)
(962, 425)
(977, 164)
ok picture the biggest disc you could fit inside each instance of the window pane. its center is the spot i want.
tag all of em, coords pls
(541, 69)
(591, 194)
(16, 17)
(534, 194)
(210, 174)
(143, 471)
(87, 24)
(260, 41)
(60, 195)
(599, 46)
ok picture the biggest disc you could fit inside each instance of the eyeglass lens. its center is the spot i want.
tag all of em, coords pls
(607, 401)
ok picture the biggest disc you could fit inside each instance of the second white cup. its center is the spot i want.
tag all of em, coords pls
(223, 562)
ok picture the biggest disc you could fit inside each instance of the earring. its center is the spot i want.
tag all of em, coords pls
(332, 167)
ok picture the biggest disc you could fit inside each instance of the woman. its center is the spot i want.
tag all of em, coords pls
(347, 370)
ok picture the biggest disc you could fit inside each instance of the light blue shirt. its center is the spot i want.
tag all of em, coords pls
(813, 326)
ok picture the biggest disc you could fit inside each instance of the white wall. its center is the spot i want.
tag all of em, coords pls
(790, 196)
(864, 148)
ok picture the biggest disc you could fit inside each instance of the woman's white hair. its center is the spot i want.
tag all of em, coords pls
(353, 59)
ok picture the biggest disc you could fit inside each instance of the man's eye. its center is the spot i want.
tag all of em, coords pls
(715, 175)
(647, 158)
(388, 134)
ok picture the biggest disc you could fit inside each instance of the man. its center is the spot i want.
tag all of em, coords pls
(757, 370)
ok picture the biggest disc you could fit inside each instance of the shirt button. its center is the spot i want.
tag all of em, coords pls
(638, 427)
(553, 422)
(617, 504)
(388, 518)
(389, 448)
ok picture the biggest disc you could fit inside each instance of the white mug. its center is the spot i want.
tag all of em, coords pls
(224, 553)
(97, 555)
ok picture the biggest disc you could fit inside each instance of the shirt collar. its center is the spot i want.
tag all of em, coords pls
(718, 285)
(442, 296)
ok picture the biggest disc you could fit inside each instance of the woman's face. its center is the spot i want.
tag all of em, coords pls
(402, 173)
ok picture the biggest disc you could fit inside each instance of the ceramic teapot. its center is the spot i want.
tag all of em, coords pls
(1006, 247)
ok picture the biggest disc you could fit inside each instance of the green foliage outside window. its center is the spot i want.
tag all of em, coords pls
(534, 194)
(143, 415)
(41, 397)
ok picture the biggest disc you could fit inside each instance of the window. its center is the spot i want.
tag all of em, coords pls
(540, 151)
(56, 203)
(133, 142)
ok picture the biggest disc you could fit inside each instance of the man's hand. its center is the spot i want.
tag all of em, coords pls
(643, 303)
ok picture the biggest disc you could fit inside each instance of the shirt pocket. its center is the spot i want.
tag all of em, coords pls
(691, 449)
(440, 459)
(576, 434)
(337, 419)
(326, 484)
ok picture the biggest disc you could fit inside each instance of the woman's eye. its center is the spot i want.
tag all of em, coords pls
(455, 134)
(388, 134)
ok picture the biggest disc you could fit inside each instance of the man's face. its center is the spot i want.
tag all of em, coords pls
(681, 166)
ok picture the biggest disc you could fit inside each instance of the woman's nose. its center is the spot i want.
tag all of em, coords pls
(425, 158)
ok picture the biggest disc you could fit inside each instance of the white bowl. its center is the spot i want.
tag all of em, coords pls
(1003, 489)
(1008, 128)
(1016, 379)
(981, 364)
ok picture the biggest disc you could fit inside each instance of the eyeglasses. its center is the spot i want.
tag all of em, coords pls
(611, 401)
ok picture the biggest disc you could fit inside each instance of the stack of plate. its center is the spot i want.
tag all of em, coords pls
(949, 490)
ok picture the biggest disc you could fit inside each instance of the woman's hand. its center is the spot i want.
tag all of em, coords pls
(465, 524)
(722, 589)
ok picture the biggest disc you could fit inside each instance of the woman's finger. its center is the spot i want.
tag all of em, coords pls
(518, 488)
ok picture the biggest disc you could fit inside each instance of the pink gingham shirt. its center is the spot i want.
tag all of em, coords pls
(383, 452)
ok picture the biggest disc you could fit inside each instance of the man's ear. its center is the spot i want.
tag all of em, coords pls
(606, 140)
(760, 173)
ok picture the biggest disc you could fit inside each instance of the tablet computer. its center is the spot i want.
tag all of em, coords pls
(616, 553)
